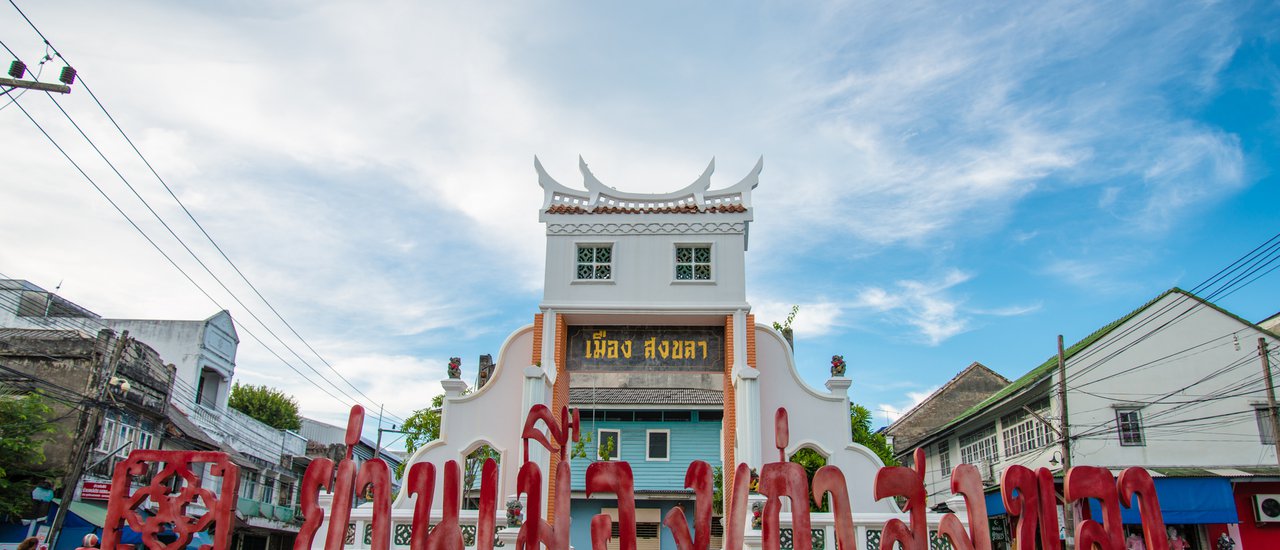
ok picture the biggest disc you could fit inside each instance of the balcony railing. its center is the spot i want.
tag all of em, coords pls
(246, 434)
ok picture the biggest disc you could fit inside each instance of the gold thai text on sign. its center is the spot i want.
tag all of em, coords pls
(646, 348)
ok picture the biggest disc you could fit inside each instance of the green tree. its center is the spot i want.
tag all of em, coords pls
(811, 461)
(23, 420)
(266, 405)
(860, 421)
(420, 428)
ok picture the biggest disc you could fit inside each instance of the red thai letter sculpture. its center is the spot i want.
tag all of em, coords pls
(1085, 482)
(830, 480)
(737, 509)
(615, 477)
(967, 482)
(906, 482)
(376, 476)
(699, 478)
(421, 481)
(485, 526)
(1136, 481)
(344, 484)
(447, 534)
(529, 483)
(319, 475)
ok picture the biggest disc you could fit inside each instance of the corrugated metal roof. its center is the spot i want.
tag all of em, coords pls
(645, 396)
(40, 334)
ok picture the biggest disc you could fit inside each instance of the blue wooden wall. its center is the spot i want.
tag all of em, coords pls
(690, 440)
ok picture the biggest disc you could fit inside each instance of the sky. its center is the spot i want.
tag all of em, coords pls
(943, 183)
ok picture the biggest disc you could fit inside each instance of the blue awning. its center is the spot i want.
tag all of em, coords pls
(1183, 500)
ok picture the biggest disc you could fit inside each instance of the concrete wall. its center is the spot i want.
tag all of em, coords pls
(818, 420)
(644, 266)
(490, 416)
(205, 348)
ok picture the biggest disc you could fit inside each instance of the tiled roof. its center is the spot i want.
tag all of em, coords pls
(40, 334)
(645, 396)
(677, 209)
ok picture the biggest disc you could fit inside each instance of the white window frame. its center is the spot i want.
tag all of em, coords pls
(648, 454)
(711, 264)
(1262, 413)
(944, 457)
(107, 439)
(613, 262)
(1120, 427)
(617, 448)
(980, 445)
(1022, 432)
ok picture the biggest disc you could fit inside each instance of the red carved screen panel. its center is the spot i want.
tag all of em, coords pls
(170, 494)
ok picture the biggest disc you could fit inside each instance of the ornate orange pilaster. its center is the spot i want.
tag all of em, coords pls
(559, 398)
(729, 424)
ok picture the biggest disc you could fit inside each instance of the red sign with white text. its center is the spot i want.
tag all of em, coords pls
(93, 490)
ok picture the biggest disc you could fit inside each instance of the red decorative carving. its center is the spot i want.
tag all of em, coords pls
(967, 482)
(699, 478)
(1138, 482)
(830, 480)
(906, 482)
(171, 505)
(1085, 482)
(615, 477)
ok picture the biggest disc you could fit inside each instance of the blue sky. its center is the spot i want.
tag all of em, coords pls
(943, 183)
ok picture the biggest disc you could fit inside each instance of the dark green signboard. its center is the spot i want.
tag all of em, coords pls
(630, 349)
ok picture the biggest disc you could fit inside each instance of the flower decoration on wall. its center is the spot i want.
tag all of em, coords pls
(513, 512)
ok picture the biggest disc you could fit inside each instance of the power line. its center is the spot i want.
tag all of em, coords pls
(84, 84)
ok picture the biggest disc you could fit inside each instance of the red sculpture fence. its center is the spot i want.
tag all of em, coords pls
(1028, 496)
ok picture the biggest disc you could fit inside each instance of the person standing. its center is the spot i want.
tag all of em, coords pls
(1224, 543)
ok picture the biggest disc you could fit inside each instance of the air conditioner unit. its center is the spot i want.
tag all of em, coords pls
(988, 471)
(1266, 508)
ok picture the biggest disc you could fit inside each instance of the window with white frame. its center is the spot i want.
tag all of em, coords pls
(595, 262)
(979, 446)
(1129, 426)
(107, 440)
(1263, 415)
(610, 444)
(248, 484)
(693, 262)
(1023, 432)
(944, 457)
(657, 445)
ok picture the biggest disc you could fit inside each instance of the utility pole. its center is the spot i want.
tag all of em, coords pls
(1068, 519)
(18, 69)
(1271, 396)
(90, 422)
(377, 450)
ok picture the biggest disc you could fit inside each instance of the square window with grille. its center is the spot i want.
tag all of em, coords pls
(1023, 432)
(979, 446)
(693, 263)
(595, 262)
(1129, 426)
